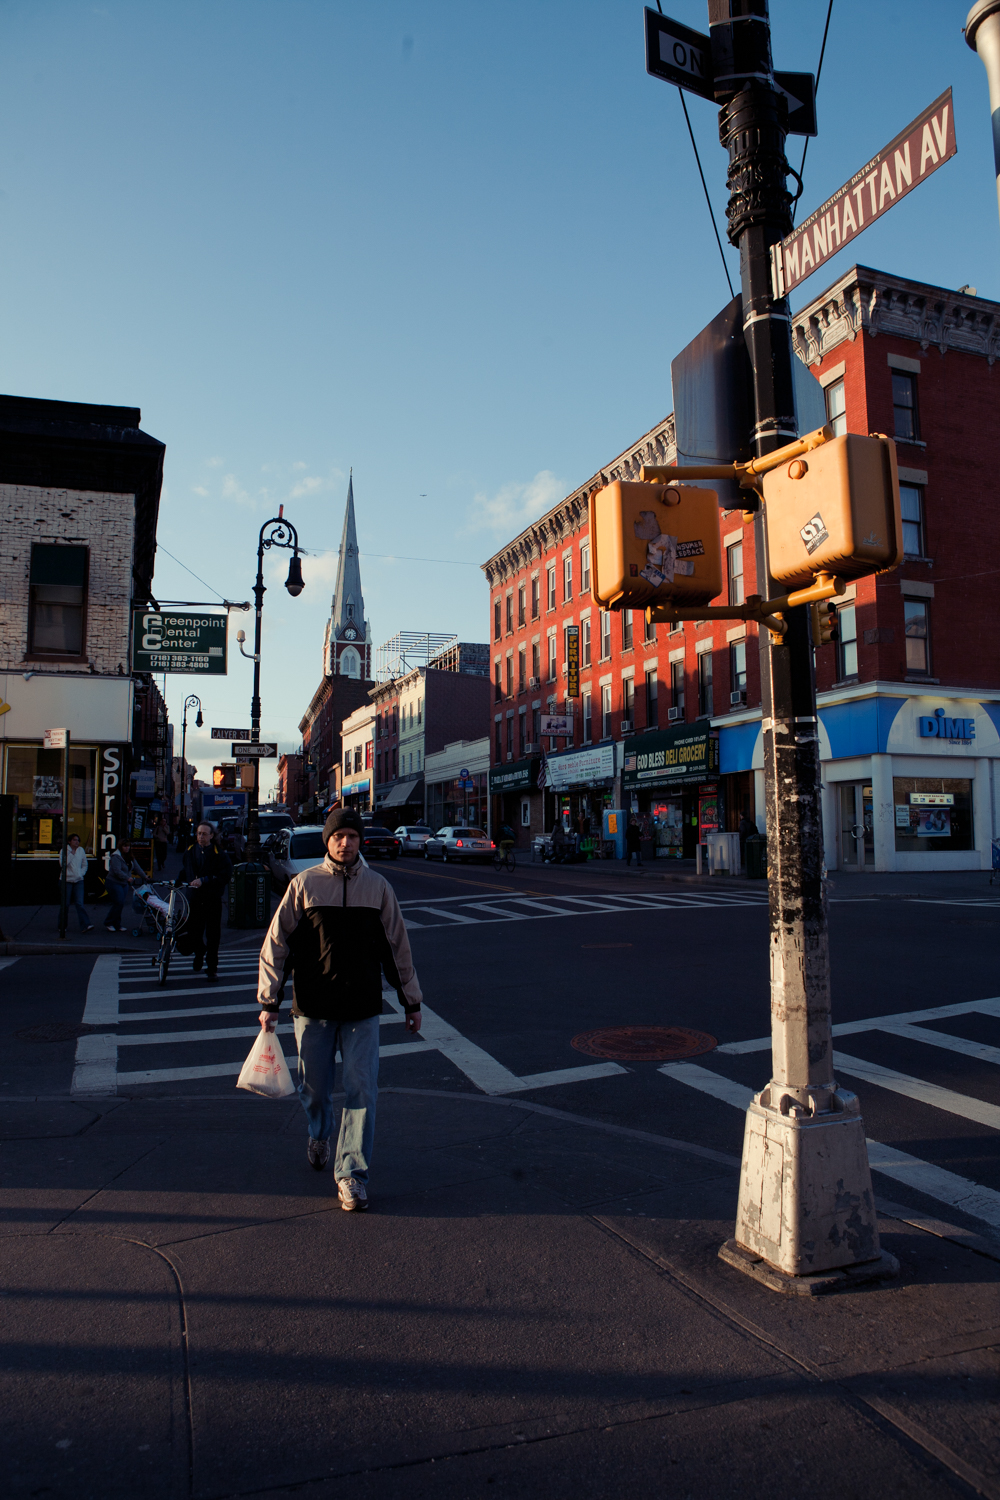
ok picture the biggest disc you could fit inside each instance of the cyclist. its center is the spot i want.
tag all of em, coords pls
(506, 837)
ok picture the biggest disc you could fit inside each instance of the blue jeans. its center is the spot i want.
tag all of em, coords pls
(318, 1042)
(119, 895)
(74, 897)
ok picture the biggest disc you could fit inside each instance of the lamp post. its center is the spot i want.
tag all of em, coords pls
(189, 702)
(274, 533)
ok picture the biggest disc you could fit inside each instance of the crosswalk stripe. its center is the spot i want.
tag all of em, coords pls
(447, 916)
(979, 1050)
(916, 1088)
(201, 989)
(989, 1007)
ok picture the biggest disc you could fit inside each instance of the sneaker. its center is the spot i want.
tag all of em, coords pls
(352, 1194)
(108, 928)
(318, 1153)
(90, 928)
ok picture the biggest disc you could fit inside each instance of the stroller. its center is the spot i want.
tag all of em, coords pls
(165, 910)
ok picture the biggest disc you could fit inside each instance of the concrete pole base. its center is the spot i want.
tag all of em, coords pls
(883, 1269)
(806, 1204)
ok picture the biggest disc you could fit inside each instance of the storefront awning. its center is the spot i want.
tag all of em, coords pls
(684, 753)
(405, 791)
(517, 776)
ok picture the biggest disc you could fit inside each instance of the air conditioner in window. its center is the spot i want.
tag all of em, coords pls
(528, 747)
(740, 696)
(534, 682)
(675, 713)
(626, 726)
(510, 755)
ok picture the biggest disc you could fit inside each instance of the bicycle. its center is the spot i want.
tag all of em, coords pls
(168, 917)
(503, 857)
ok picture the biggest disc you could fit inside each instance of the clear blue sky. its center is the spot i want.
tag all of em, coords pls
(452, 245)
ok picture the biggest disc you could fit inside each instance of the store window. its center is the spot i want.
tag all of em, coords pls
(584, 569)
(916, 627)
(57, 595)
(836, 408)
(35, 777)
(847, 642)
(911, 501)
(734, 569)
(932, 813)
(904, 406)
(706, 701)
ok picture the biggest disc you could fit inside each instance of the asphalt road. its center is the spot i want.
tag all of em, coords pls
(513, 967)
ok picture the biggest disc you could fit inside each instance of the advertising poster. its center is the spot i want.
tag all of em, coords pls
(932, 822)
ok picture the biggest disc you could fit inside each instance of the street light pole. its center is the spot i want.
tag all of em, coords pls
(805, 1203)
(274, 533)
(189, 702)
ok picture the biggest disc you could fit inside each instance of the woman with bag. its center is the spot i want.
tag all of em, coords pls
(75, 861)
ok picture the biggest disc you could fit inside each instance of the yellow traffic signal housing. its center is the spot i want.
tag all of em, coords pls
(835, 511)
(655, 544)
(824, 621)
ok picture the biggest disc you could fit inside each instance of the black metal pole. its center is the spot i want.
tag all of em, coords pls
(274, 533)
(184, 731)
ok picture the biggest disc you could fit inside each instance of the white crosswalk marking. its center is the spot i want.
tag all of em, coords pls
(916, 1088)
(449, 911)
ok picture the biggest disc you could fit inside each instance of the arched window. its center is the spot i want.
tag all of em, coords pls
(350, 663)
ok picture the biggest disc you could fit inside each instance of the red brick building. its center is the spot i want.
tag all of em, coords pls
(668, 720)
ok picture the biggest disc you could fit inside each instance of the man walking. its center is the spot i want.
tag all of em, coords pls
(339, 927)
(633, 843)
(206, 870)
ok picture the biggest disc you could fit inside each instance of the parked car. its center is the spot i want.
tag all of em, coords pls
(267, 823)
(413, 837)
(459, 843)
(291, 850)
(378, 841)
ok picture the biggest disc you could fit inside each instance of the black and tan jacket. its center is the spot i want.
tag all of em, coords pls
(337, 931)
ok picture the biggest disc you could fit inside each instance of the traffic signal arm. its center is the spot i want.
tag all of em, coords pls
(746, 473)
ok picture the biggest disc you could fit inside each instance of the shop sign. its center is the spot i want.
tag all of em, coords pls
(669, 754)
(145, 783)
(520, 776)
(581, 767)
(109, 807)
(556, 724)
(937, 726)
(165, 642)
(572, 661)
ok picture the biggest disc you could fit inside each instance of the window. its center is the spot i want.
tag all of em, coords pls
(734, 571)
(536, 661)
(347, 762)
(520, 606)
(626, 630)
(523, 735)
(536, 725)
(551, 576)
(497, 683)
(605, 635)
(706, 703)
(521, 665)
(369, 755)
(499, 742)
(510, 614)
(395, 764)
(916, 629)
(904, 406)
(585, 643)
(357, 759)
(648, 629)
(606, 711)
(534, 597)
(584, 569)
(933, 813)
(587, 719)
(911, 500)
(57, 601)
(651, 693)
(567, 578)
(420, 710)
(510, 677)
(677, 686)
(510, 737)
(496, 619)
(35, 777)
(836, 408)
(738, 667)
(847, 645)
(552, 658)
(628, 700)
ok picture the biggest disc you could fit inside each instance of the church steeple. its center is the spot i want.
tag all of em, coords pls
(347, 642)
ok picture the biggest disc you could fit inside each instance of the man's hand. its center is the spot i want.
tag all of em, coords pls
(413, 1019)
(195, 883)
(268, 1020)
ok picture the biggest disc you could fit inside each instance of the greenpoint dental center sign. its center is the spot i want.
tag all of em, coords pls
(168, 642)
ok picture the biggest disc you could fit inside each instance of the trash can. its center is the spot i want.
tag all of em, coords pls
(756, 857)
(250, 895)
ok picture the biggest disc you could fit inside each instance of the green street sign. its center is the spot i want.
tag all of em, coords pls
(174, 642)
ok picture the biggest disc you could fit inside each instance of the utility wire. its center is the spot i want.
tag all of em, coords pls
(453, 562)
(160, 548)
(711, 212)
(805, 148)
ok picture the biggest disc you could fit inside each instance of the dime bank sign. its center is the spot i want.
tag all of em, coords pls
(937, 727)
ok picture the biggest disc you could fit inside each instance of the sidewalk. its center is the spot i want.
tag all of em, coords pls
(534, 1305)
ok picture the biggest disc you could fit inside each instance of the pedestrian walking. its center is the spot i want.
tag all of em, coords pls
(340, 928)
(633, 842)
(75, 860)
(161, 841)
(206, 870)
(123, 871)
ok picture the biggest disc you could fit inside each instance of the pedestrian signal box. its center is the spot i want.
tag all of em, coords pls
(224, 776)
(655, 544)
(835, 510)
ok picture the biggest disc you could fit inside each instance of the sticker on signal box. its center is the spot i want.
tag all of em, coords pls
(814, 532)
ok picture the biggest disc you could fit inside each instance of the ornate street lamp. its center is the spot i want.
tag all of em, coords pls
(189, 702)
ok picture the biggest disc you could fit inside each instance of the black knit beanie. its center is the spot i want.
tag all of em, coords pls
(342, 817)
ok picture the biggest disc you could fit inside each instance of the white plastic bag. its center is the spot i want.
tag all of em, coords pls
(265, 1070)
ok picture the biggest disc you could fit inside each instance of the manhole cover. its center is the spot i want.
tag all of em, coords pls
(52, 1031)
(644, 1043)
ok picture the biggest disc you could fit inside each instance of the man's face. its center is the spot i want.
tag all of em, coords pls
(204, 835)
(343, 846)
(74, 841)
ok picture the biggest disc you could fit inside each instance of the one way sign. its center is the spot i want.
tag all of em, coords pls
(679, 55)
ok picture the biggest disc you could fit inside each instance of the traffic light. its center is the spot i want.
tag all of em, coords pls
(835, 510)
(825, 622)
(224, 776)
(655, 544)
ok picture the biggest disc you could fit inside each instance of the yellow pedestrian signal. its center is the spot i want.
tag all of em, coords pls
(655, 544)
(825, 623)
(834, 511)
(224, 776)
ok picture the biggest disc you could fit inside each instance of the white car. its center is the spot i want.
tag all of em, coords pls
(292, 850)
(459, 843)
(413, 837)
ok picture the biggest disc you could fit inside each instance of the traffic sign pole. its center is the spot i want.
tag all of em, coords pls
(805, 1203)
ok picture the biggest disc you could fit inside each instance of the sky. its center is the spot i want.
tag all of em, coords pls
(453, 247)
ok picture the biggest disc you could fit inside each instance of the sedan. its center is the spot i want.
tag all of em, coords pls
(413, 837)
(291, 850)
(459, 843)
(379, 841)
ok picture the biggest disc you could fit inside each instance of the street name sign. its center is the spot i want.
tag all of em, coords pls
(167, 642)
(258, 750)
(926, 144)
(679, 55)
(230, 734)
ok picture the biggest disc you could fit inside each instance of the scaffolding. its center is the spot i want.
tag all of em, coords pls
(409, 649)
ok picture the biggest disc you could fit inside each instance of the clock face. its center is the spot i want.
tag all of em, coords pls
(350, 633)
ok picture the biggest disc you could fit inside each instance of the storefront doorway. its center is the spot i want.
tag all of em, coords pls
(856, 830)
